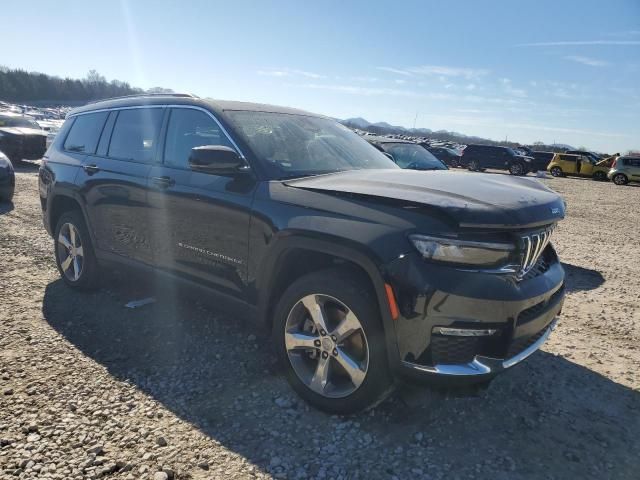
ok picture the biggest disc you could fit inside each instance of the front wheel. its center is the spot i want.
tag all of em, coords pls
(474, 166)
(556, 171)
(600, 176)
(329, 339)
(74, 253)
(620, 179)
(454, 162)
(517, 169)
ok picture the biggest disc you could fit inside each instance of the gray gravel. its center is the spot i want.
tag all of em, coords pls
(179, 389)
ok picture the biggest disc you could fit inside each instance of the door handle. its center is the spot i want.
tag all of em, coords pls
(163, 182)
(91, 169)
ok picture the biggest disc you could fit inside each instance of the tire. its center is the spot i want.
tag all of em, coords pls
(556, 172)
(600, 176)
(82, 271)
(517, 169)
(454, 163)
(336, 291)
(620, 179)
(474, 166)
(7, 196)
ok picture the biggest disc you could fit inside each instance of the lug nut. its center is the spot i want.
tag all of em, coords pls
(323, 333)
(316, 343)
(333, 337)
(325, 355)
(335, 352)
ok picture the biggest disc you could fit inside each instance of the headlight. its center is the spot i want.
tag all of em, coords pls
(462, 252)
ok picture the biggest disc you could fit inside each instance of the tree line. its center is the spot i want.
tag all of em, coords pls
(20, 86)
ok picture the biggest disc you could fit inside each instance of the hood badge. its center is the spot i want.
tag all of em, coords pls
(555, 211)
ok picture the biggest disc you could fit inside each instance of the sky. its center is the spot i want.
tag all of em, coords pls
(535, 70)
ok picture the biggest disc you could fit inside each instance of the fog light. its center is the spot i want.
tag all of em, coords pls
(464, 332)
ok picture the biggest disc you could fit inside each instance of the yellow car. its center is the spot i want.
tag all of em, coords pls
(566, 164)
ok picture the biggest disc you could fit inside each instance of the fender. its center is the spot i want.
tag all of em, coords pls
(352, 253)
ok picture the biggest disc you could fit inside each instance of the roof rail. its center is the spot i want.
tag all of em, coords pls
(182, 95)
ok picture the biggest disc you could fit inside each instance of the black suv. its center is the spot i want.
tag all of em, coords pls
(363, 271)
(481, 157)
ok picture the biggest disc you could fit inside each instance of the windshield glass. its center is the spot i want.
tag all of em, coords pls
(410, 155)
(299, 145)
(18, 122)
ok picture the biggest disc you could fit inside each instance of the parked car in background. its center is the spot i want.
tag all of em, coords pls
(7, 179)
(363, 272)
(540, 160)
(406, 154)
(21, 137)
(449, 156)
(481, 157)
(566, 164)
(625, 170)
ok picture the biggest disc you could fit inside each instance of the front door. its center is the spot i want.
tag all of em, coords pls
(200, 221)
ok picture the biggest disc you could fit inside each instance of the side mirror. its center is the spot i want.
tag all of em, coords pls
(389, 156)
(216, 160)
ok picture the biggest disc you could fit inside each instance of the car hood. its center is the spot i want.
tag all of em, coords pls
(470, 200)
(23, 131)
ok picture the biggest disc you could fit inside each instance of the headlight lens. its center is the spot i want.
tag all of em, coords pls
(462, 252)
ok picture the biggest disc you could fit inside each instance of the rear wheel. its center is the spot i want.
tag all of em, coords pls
(74, 253)
(474, 166)
(620, 179)
(329, 339)
(454, 162)
(556, 171)
(517, 169)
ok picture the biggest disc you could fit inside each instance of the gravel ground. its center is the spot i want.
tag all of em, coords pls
(180, 389)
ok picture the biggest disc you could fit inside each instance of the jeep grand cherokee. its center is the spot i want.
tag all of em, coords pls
(363, 271)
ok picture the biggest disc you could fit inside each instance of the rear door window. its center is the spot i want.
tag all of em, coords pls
(135, 134)
(85, 132)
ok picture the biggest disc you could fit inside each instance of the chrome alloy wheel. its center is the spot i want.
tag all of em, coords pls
(326, 346)
(70, 253)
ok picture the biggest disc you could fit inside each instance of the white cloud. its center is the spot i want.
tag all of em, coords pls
(579, 43)
(288, 72)
(470, 87)
(440, 70)
(592, 62)
(394, 70)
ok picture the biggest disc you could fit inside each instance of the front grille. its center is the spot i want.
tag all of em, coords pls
(532, 246)
(447, 350)
(522, 344)
(535, 311)
(541, 266)
(34, 145)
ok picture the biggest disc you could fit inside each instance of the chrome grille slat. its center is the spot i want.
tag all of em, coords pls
(532, 247)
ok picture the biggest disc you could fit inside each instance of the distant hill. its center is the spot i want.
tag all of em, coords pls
(384, 128)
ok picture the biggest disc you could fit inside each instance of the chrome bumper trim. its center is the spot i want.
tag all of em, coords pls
(483, 365)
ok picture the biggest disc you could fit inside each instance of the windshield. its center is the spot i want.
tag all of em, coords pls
(18, 122)
(298, 145)
(410, 155)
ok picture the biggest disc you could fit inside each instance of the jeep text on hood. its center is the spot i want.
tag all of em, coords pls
(495, 201)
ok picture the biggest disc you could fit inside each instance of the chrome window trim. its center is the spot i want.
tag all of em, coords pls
(169, 105)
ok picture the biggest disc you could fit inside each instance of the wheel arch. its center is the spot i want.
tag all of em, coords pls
(298, 255)
(65, 202)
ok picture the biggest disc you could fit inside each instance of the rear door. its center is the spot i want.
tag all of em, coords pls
(633, 166)
(200, 221)
(568, 164)
(115, 183)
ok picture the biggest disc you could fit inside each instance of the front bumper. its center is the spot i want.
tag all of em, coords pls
(439, 304)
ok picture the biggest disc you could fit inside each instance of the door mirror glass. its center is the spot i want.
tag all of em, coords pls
(217, 160)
